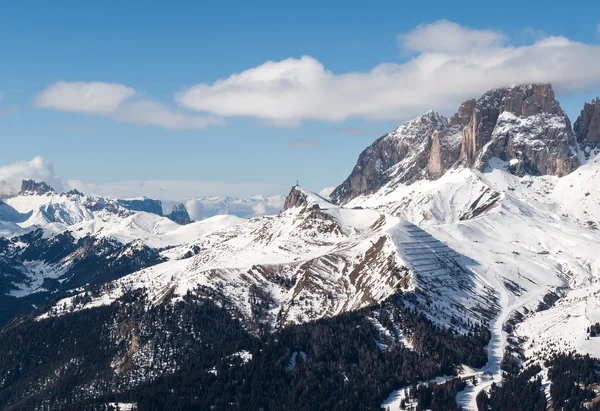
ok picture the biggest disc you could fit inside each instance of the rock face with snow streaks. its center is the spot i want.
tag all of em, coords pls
(523, 125)
(402, 155)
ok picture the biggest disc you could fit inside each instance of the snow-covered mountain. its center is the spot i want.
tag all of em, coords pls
(313, 260)
(523, 125)
(49, 238)
(489, 218)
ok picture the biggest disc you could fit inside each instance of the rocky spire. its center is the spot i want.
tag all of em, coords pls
(587, 126)
(296, 198)
(34, 187)
(179, 214)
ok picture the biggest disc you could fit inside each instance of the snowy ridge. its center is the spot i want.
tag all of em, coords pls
(459, 194)
(350, 258)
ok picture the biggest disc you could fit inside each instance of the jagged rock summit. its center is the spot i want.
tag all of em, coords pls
(179, 214)
(523, 125)
(35, 187)
(587, 126)
(304, 199)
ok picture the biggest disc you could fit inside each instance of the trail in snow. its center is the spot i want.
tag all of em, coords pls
(491, 372)
(468, 398)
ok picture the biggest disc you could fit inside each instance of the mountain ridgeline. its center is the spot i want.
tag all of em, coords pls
(523, 125)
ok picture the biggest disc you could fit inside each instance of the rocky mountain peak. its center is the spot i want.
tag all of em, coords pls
(179, 214)
(524, 125)
(34, 187)
(587, 126)
(530, 100)
(74, 192)
(401, 153)
(296, 198)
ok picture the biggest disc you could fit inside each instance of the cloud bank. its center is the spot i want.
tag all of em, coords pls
(449, 64)
(37, 169)
(118, 102)
(444, 64)
(40, 169)
(200, 208)
(178, 190)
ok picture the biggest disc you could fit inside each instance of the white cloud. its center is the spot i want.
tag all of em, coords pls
(452, 63)
(40, 169)
(37, 169)
(448, 37)
(118, 102)
(150, 112)
(84, 97)
(200, 208)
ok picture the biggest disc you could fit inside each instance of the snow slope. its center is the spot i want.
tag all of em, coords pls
(310, 263)
(526, 236)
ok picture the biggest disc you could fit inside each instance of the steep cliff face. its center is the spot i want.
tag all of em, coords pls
(587, 126)
(33, 187)
(142, 204)
(541, 144)
(523, 125)
(402, 154)
(179, 214)
(296, 198)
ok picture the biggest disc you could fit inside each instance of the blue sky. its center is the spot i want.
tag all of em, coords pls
(168, 120)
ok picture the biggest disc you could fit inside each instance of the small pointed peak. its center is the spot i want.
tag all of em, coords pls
(431, 116)
(296, 198)
(430, 113)
(29, 187)
(302, 198)
(74, 192)
(587, 126)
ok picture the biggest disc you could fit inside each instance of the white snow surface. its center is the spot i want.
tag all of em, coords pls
(532, 235)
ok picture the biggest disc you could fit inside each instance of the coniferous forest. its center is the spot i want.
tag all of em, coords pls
(340, 363)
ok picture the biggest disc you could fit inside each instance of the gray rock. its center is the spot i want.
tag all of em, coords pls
(34, 187)
(295, 198)
(179, 214)
(523, 125)
(587, 126)
(402, 155)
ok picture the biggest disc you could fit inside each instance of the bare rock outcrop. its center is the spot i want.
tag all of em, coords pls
(522, 125)
(34, 187)
(587, 126)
